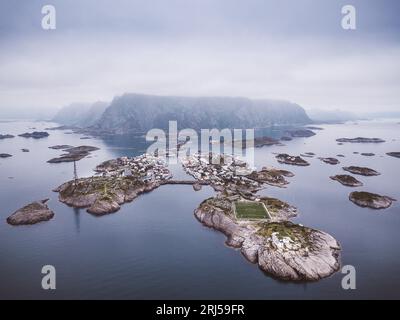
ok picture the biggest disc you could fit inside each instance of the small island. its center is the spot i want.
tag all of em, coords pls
(394, 154)
(371, 200)
(6, 136)
(361, 140)
(73, 154)
(61, 147)
(121, 181)
(347, 180)
(32, 213)
(291, 160)
(331, 161)
(271, 176)
(34, 135)
(264, 236)
(5, 155)
(367, 154)
(363, 171)
(301, 133)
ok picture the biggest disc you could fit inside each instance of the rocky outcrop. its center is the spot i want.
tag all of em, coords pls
(363, 171)
(5, 155)
(367, 154)
(263, 141)
(197, 187)
(73, 154)
(331, 161)
(122, 180)
(291, 160)
(347, 180)
(282, 249)
(104, 205)
(34, 135)
(301, 133)
(6, 136)
(394, 154)
(360, 140)
(272, 176)
(30, 214)
(61, 147)
(370, 200)
(102, 195)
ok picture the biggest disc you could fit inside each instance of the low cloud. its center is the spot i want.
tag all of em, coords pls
(325, 69)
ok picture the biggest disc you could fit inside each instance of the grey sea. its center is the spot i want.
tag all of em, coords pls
(154, 248)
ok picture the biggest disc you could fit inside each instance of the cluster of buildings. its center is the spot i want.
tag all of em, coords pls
(218, 170)
(145, 167)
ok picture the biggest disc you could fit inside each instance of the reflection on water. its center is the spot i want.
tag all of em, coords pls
(77, 213)
(155, 248)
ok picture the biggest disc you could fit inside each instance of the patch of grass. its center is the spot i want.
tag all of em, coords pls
(221, 203)
(106, 197)
(101, 185)
(250, 210)
(365, 196)
(286, 229)
(274, 205)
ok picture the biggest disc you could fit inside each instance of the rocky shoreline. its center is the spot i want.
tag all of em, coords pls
(301, 133)
(291, 160)
(122, 181)
(5, 155)
(6, 136)
(331, 161)
(360, 140)
(34, 135)
(72, 153)
(370, 200)
(282, 249)
(363, 171)
(101, 195)
(32, 213)
(394, 154)
(347, 180)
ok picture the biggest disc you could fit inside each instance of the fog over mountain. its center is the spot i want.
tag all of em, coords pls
(261, 49)
(133, 113)
(80, 114)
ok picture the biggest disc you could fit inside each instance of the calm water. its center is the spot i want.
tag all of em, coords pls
(155, 248)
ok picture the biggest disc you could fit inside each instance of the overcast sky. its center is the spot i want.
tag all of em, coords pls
(294, 50)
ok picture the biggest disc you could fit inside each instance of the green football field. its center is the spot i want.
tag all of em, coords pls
(250, 210)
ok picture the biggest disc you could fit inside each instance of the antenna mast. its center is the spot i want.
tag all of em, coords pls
(75, 172)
